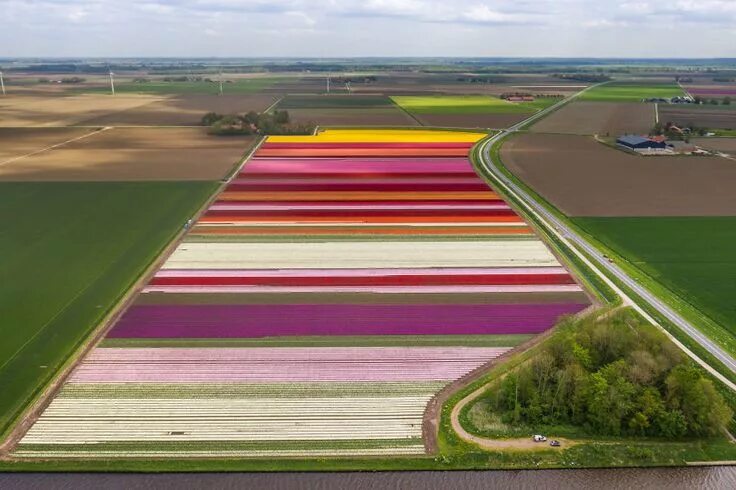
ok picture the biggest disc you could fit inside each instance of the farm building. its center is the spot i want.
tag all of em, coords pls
(640, 143)
(520, 98)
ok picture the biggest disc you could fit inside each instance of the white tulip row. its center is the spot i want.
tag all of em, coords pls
(354, 254)
(416, 449)
(82, 421)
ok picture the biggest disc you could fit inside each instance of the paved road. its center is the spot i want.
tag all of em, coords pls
(598, 262)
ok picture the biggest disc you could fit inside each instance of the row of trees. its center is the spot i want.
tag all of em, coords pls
(700, 100)
(278, 122)
(583, 77)
(616, 376)
(69, 80)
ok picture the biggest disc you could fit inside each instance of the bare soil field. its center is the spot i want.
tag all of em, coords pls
(603, 118)
(16, 142)
(184, 110)
(304, 85)
(133, 154)
(727, 145)
(704, 116)
(585, 178)
(711, 89)
(389, 116)
(23, 110)
(429, 88)
(432, 83)
(493, 121)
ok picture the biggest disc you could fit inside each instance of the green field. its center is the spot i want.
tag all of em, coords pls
(241, 86)
(467, 104)
(625, 92)
(69, 252)
(334, 102)
(692, 256)
(725, 133)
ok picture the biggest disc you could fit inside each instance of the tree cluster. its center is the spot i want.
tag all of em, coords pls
(365, 79)
(615, 377)
(67, 80)
(277, 122)
(480, 79)
(184, 78)
(583, 77)
(700, 100)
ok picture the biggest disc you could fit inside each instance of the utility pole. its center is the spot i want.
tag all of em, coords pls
(220, 82)
(112, 83)
(328, 83)
(2, 82)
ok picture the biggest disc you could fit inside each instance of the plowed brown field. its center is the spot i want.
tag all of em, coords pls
(727, 145)
(603, 118)
(16, 142)
(46, 110)
(703, 116)
(585, 178)
(131, 154)
(184, 110)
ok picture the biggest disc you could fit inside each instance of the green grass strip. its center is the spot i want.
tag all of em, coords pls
(509, 340)
(247, 390)
(215, 446)
(351, 238)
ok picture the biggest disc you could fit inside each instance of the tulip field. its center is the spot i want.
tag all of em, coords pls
(328, 292)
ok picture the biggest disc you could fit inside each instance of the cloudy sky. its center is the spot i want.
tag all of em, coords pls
(333, 28)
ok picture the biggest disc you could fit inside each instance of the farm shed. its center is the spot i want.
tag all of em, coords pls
(640, 143)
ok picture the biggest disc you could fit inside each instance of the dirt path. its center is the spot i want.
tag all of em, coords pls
(57, 145)
(519, 444)
(433, 411)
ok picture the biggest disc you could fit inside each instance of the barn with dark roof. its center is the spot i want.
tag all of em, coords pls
(633, 142)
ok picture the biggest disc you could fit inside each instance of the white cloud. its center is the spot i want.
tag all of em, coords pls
(367, 27)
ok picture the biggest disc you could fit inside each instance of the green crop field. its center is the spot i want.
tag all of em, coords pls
(467, 104)
(693, 256)
(69, 252)
(630, 92)
(240, 86)
(334, 102)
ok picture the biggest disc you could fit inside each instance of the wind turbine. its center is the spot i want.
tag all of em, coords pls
(112, 83)
(2, 82)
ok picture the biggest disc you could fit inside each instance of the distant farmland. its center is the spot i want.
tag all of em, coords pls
(345, 110)
(702, 116)
(631, 92)
(602, 118)
(157, 86)
(469, 110)
(122, 154)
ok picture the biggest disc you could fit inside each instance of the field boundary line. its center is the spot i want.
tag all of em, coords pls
(405, 111)
(57, 145)
(47, 394)
(272, 106)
